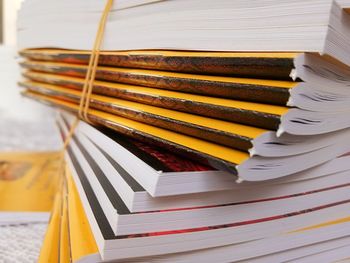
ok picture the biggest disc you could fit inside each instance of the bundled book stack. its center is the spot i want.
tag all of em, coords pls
(234, 150)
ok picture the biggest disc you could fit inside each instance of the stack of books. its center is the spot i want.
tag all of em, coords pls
(198, 156)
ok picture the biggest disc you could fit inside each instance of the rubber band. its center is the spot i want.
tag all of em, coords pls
(84, 103)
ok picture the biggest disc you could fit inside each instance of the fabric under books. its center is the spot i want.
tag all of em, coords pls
(221, 25)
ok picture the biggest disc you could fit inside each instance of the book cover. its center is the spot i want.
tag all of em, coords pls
(28, 181)
(82, 241)
(50, 250)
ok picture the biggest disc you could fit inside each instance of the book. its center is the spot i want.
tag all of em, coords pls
(253, 65)
(256, 26)
(28, 183)
(285, 247)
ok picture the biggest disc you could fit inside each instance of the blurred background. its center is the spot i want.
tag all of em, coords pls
(24, 125)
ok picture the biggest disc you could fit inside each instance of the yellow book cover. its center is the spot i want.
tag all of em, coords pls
(50, 250)
(28, 181)
(82, 241)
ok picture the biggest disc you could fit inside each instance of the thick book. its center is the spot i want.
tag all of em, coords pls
(220, 157)
(221, 25)
(253, 65)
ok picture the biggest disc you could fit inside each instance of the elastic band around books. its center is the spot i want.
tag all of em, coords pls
(93, 63)
(90, 75)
